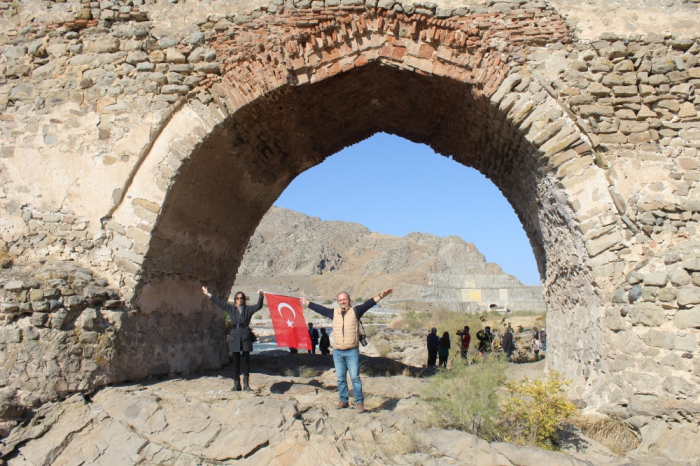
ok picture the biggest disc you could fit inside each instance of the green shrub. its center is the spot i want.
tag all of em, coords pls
(466, 397)
(534, 409)
(328, 301)
(227, 323)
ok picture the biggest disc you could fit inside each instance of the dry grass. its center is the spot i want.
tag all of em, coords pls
(404, 442)
(616, 435)
(302, 372)
(5, 259)
(383, 347)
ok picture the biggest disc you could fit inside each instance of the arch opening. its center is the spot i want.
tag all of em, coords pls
(231, 176)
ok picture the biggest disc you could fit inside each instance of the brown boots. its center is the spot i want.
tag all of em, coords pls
(344, 404)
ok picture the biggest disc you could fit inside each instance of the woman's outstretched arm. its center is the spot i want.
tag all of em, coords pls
(222, 304)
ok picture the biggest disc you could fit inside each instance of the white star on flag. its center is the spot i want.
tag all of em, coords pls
(290, 323)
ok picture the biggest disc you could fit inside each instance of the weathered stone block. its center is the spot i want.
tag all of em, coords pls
(614, 321)
(649, 293)
(635, 293)
(38, 319)
(647, 314)
(659, 278)
(662, 66)
(667, 294)
(88, 318)
(658, 339)
(10, 335)
(685, 342)
(40, 306)
(596, 110)
(687, 318)
(58, 318)
(631, 126)
(104, 45)
(613, 79)
(9, 308)
(688, 295)
(14, 285)
(624, 91)
(599, 245)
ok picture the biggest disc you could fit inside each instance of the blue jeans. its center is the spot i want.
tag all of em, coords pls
(348, 360)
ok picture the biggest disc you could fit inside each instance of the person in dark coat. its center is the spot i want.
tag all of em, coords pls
(433, 346)
(485, 338)
(444, 351)
(241, 338)
(507, 343)
(325, 344)
(313, 335)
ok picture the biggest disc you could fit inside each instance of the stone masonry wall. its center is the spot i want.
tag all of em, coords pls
(123, 122)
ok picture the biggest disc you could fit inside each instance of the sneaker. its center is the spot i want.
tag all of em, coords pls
(342, 404)
(360, 407)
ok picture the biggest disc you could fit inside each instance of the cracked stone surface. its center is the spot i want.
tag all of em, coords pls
(284, 420)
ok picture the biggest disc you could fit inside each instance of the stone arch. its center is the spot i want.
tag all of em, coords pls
(318, 83)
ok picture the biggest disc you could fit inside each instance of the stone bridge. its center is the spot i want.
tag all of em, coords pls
(143, 142)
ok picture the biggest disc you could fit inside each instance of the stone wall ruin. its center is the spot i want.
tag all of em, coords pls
(144, 142)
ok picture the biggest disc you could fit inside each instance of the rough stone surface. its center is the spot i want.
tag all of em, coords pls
(284, 421)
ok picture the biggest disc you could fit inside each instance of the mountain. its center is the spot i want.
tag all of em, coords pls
(292, 253)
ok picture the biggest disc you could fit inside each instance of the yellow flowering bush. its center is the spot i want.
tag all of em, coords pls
(533, 409)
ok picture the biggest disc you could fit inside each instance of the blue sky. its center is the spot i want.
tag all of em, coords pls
(394, 186)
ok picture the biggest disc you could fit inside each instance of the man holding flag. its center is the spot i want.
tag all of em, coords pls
(346, 334)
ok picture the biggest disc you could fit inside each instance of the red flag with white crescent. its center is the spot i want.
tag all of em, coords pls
(287, 315)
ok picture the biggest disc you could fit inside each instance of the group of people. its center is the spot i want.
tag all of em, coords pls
(439, 348)
(346, 334)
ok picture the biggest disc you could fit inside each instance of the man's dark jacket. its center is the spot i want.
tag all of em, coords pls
(508, 344)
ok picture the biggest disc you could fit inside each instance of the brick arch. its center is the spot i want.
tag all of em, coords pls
(293, 91)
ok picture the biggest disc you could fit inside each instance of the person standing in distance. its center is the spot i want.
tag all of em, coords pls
(313, 335)
(433, 342)
(346, 345)
(325, 344)
(240, 340)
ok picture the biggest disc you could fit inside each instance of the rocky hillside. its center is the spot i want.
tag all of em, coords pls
(294, 253)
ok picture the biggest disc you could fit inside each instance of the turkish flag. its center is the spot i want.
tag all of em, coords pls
(288, 321)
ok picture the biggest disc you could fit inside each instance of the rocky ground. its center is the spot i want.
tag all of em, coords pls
(287, 419)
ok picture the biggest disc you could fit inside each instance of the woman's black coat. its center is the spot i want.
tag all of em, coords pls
(240, 338)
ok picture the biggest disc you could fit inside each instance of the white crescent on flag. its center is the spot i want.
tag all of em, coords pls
(285, 305)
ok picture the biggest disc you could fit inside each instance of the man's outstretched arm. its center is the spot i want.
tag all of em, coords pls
(367, 305)
(324, 311)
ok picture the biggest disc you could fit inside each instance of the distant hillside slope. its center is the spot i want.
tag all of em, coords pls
(296, 254)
